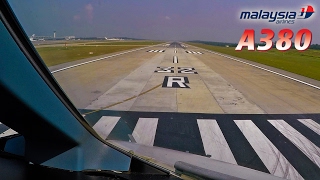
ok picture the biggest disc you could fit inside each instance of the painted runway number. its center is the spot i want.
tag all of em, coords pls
(186, 70)
(164, 70)
(182, 70)
(175, 82)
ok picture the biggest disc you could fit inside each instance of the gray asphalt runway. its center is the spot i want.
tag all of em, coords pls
(184, 79)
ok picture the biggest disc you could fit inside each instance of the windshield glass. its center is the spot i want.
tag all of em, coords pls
(234, 81)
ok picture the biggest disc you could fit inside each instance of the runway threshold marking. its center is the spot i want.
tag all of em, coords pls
(272, 158)
(247, 140)
(300, 141)
(279, 74)
(99, 59)
(128, 99)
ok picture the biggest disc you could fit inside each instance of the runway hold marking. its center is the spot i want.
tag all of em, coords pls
(186, 70)
(156, 51)
(164, 70)
(175, 59)
(175, 82)
(193, 52)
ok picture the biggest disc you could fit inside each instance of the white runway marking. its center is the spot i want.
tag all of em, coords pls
(193, 52)
(272, 158)
(175, 82)
(164, 70)
(186, 70)
(8, 132)
(145, 131)
(301, 142)
(311, 125)
(175, 59)
(105, 125)
(156, 51)
(214, 142)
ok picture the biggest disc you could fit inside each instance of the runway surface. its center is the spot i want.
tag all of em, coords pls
(184, 79)
(192, 100)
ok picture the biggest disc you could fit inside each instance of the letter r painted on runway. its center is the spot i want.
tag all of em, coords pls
(175, 82)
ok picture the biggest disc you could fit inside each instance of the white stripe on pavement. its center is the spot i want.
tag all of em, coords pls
(145, 131)
(214, 142)
(301, 142)
(8, 133)
(105, 125)
(311, 125)
(175, 59)
(272, 158)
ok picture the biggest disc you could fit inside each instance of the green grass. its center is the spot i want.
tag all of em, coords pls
(306, 63)
(57, 55)
(137, 43)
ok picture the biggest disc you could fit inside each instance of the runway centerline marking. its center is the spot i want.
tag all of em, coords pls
(175, 59)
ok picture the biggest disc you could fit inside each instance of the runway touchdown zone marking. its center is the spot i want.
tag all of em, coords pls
(156, 51)
(194, 52)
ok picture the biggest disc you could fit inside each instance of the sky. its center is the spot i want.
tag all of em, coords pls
(170, 20)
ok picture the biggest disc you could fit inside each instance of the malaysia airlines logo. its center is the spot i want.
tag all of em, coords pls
(279, 17)
(306, 12)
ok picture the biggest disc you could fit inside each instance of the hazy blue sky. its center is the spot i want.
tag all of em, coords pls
(212, 20)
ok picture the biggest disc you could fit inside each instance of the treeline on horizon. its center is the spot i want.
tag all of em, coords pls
(224, 44)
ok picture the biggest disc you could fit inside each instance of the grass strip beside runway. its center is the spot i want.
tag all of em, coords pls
(306, 63)
(62, 54)
(141, 43)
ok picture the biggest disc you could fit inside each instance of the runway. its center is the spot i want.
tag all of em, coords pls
(285, 145)
(185, 79)
(191, 100)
